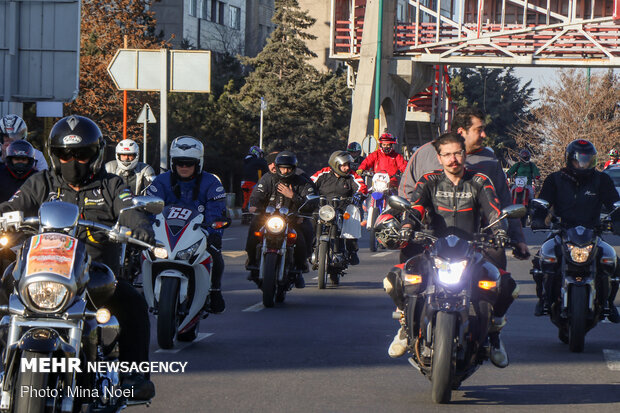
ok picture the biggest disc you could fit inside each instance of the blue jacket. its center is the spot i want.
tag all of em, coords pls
(210, 199)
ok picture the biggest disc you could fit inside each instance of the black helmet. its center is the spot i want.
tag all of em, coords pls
(337, 159)
(20, 149)
(525, 155)
(76, 138)
(387, 230)
(287, 159)
(354, 147)
(581, 157)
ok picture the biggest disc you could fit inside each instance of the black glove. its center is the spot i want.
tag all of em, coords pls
(215, 240)
(538, 224)
(144, 234)
(501, 237)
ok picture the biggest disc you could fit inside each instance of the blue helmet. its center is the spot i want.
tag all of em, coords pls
(256, 151)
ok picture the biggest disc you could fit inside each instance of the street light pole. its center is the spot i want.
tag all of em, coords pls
(378, 71)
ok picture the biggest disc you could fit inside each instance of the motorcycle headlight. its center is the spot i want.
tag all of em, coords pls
(449, 272)
(579, 254)
(327, 213)
(47, 295)
(187, 253)
(275, 225)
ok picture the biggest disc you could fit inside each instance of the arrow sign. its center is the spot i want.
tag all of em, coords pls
(146, 115)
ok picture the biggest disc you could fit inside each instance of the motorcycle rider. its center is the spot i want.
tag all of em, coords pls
(469, 123)
(289, 190)
(355, 150)
(137, 175)
(13, 128)
(18, 166)
(525, 167)
(456, 200)
(577, 193)
(186, 182)
(385, 159)
(614, 158)
(76, 151)
(254, 167)
(339, 180)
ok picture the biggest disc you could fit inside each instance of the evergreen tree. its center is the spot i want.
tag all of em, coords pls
(308, 112)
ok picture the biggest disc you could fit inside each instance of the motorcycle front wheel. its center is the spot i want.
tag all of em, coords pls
(577, 323)
(31, 380)
(167, 320)
(270, 280)
(442, 364)
(323, 264)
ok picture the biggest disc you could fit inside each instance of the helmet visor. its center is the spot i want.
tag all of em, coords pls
(583, 160)
(81, 154)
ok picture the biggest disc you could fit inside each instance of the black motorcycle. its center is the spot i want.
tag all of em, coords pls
(575, 283)
(277, 272)
(330, 256)
(55, 313)
(449, 290)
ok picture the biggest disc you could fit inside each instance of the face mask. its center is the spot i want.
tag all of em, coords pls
(74, 172)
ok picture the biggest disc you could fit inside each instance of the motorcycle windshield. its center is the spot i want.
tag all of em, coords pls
(451, 248)
(177, 218)
(580, 235)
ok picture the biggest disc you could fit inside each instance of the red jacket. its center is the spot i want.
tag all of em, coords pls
(611, 162)
(391, 164)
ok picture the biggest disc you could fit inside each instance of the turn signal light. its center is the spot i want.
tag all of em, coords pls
(292, 235)
(346, 215)
(487, 285)
(258, 234)
(413, 279)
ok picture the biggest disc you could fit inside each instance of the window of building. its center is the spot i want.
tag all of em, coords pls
(203, 9)
(213, 10)
(235, 17)
(220, 12)
(192, 7)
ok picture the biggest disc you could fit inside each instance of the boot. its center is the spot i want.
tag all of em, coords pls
(398, 347)
(613, 316)
(217, 301)
(353, 258)
(299, 281)
(141, 387)
(539, 310)
(499, 357)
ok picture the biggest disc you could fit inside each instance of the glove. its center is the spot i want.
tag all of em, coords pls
(144, 234)
(359, 172)
(357, 199)
(215, 240)
(501, 237)
(538, 224)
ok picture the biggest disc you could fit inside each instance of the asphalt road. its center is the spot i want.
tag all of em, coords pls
(326, 351)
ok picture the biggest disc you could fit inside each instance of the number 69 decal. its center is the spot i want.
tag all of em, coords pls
(181, 213)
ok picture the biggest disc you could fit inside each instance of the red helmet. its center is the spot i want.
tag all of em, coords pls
(387, 138)
(387, 232)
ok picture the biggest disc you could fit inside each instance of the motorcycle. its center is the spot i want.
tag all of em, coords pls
(576, 284)
(336, 220)
(55, 313)
(380, 190)
(177, 288)
(277, 272)
(520, 194)
(449, 290)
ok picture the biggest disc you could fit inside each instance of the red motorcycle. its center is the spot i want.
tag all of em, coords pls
(521, 194)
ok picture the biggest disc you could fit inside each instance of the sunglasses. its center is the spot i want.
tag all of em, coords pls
(185, 163)
(80, 154)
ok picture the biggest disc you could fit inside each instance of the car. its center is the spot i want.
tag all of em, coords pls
(614, 172)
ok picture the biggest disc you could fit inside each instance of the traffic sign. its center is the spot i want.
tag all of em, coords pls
(136, 69)
(369, 144)
(146, 115)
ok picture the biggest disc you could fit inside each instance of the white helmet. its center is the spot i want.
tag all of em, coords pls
(13, 127)
(127, 147)
(186, 148)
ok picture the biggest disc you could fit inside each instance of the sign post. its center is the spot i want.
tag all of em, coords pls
(162, 71)
(145, 116)
(263, 106)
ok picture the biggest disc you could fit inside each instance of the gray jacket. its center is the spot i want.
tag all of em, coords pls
(424, 160)
(137, 179)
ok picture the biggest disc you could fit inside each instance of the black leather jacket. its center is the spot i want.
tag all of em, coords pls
(266, 192)
(457, 209)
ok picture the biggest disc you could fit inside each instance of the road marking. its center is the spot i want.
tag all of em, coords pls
(382, 254)
(180, 345)
(233, 254)
(228, 239)
(315, 278)
(612, 357)
(254, 308)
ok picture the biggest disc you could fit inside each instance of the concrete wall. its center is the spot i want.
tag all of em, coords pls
(321, 11)
(169, 15)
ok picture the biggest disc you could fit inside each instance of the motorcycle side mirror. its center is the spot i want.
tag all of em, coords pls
(221, 223)
(540, 203)
(514, 211)
(616, 205)
(399, 203)
(311, 203)
(150, 204)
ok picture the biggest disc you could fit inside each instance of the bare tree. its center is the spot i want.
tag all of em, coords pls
(572, 109)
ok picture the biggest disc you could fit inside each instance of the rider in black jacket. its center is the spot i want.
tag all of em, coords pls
(76, 150)
(456, 200)
(577, 193)
(284, 189)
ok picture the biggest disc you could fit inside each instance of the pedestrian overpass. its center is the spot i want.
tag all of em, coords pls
(420, 38)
